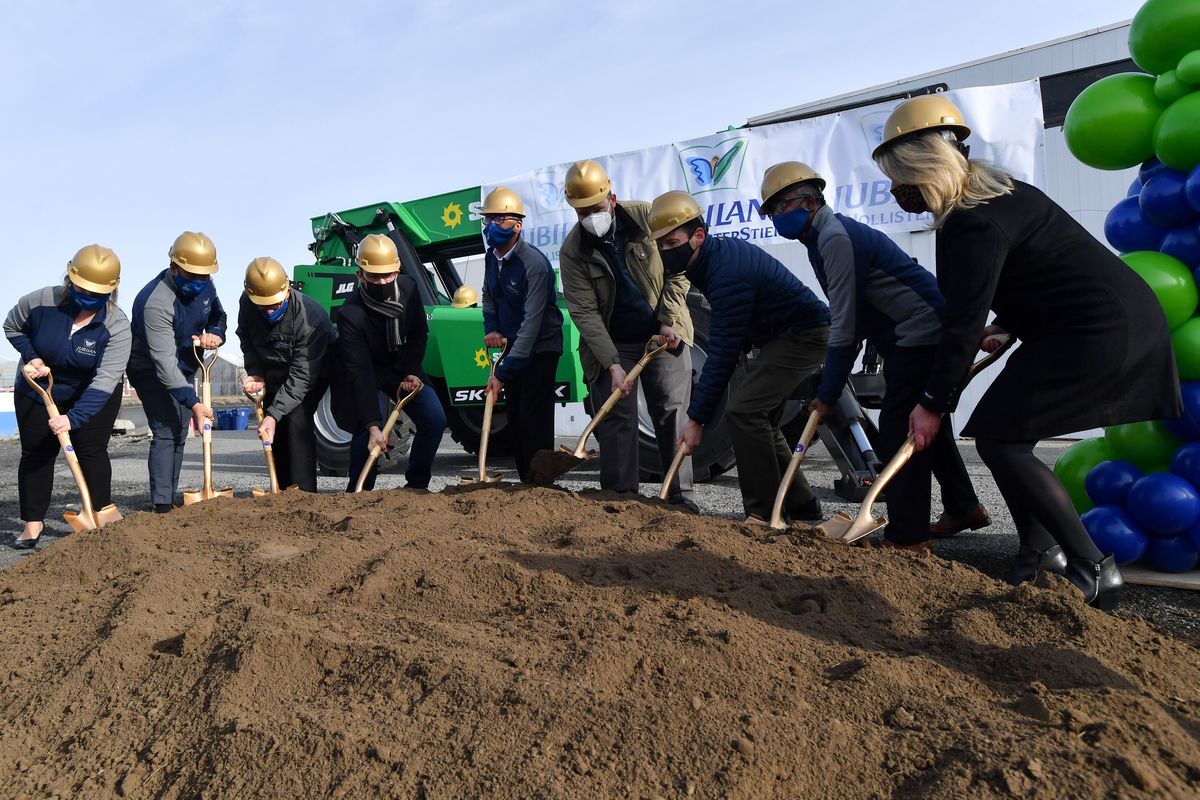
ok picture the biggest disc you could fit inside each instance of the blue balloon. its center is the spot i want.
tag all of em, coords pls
(1128, 231)
(1173, 554)
(1134, 188)
(1109, 482)
(1163, 202)
(1191, 189)
(1164, 504)
(1187, 426)
(1150, 167)
(1183, 244)
(1186, 463)
(1115, 533)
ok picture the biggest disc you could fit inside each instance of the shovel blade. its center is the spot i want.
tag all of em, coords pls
(259, 492)
(862, 529)
(467, 480)
(191, 498)
(108, 515)
(80, 521)
(224, 493)
(547, 466)
(836, 526)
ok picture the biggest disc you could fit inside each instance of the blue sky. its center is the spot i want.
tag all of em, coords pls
(128, 122)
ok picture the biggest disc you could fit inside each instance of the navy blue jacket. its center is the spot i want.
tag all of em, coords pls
(86, 366)
(876, 291)
(163, 326)
(520, 302)
(754, 299)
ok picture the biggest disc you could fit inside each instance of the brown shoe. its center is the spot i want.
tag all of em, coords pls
(916, 547)
(946, 525)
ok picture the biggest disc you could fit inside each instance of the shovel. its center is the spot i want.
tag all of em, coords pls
(676, 463)
(846, 529)
(387, 432)
(548, 465)
(88, 519)
(257, 397)
(789, 475)
(486, 433)
(207, 492)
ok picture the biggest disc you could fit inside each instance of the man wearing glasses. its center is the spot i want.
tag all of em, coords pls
(382, 333)
(618, 297)
(520, 306)
(877, 292)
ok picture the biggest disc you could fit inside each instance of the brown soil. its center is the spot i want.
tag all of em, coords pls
(503, 644)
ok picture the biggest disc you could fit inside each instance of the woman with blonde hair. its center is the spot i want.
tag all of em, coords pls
(1095, 348)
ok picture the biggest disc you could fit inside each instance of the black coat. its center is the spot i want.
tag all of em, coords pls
(291, 354)
(1094, 349)
(365, 366)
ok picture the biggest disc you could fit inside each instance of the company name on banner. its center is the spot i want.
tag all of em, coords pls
(723, 171)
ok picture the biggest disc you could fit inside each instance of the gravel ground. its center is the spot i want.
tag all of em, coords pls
(239, 464)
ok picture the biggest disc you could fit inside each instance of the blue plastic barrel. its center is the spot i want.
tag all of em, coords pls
(225, 419)
(241, 419)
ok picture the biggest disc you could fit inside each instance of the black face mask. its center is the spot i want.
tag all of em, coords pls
(675, 261)
(379, 291)
(909, 198)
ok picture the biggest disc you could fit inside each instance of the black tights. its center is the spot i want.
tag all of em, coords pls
(1037, 500)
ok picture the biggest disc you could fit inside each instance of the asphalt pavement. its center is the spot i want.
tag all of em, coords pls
(238, 463)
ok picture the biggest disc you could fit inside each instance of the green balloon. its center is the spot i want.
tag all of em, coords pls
(1111, 123)
(1146, 444)
(1162, 32)
(1189, 68)
(1170, 281)
(1177, 134)
(1076, 462)
(1169, 87)
(1185, 341)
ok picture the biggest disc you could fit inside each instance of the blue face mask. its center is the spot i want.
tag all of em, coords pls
(277, 314)
(85, 302)
(190, 289)
(497, 236)
(792, 224)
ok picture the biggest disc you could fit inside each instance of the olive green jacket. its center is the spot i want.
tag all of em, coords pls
(590, 287)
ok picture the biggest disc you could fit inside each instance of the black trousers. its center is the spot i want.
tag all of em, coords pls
(906, 369)
(39, 450)
(295, 443)
(529, 395)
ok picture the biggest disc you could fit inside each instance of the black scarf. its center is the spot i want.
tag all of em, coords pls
(387, 304)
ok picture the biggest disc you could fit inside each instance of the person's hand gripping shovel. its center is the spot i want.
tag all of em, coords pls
(87, 518)
(846, 529)
(206, 492)
(402, 400)
(485, 434)
(548, 466)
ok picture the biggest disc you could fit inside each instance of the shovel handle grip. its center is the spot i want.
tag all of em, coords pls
(789, 475)
(45, 394)
(652, 350)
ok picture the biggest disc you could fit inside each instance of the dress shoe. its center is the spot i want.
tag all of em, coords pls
(685, 503)
(1029, 563)
(807, 512)
(1101, 583)
(27, 544)
(947, 525)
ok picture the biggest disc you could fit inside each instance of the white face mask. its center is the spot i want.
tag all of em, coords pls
(598, 224)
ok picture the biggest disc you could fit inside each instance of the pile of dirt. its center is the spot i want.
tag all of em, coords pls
(537, 643)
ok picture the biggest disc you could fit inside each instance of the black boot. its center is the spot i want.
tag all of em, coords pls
(1101, 583)
(1029, 563)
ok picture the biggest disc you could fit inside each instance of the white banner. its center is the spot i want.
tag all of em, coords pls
(724, 171)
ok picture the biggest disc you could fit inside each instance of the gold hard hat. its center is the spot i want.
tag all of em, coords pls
(266, 282)
(464, 297)
(195, 253)
(786, 175)
(377, 254)
(929, 112)
(503, 200)
(96, 269)
(587, 184)
(670, 210)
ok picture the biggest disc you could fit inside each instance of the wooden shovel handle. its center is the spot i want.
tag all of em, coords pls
(489, 403)
(257, 398)
(64, 438)
(676, 462)
(652, 350)
(387, 431)
(789, 475)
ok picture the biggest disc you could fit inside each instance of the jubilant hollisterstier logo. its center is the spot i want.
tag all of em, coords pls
(710, 167)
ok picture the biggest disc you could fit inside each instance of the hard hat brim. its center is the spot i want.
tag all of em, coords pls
(584, 202)
(961, 132)
(818, 182)
(268, 300)
(98, 288)
(196, 269)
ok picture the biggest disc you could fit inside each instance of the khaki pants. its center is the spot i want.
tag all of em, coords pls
(667, 384)
(752, 418)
